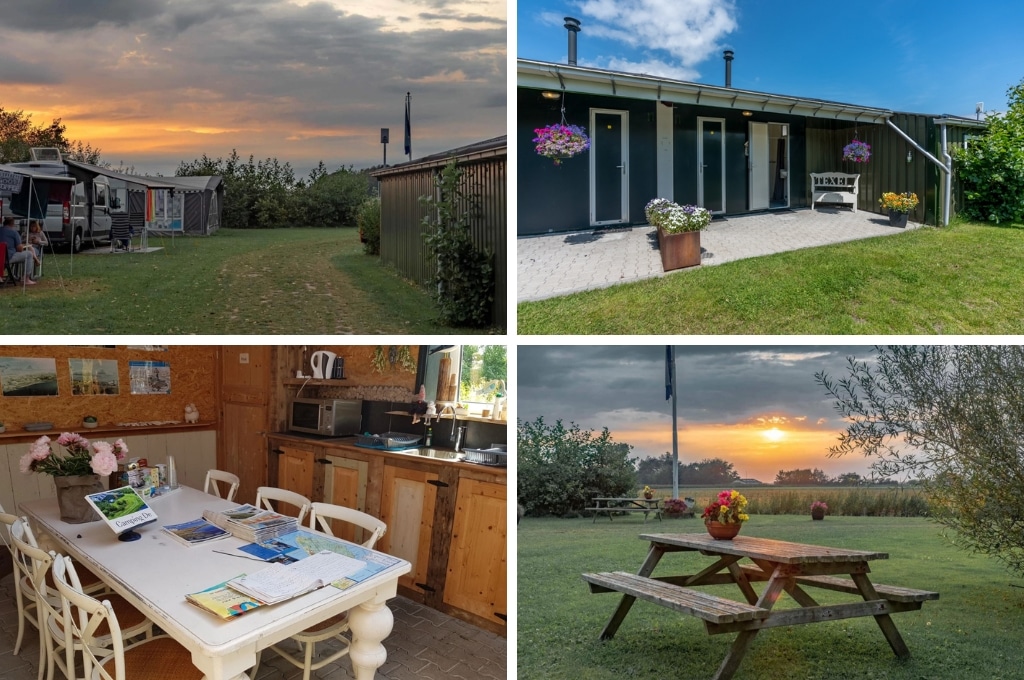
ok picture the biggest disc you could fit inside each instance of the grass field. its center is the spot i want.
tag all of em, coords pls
(280, 282)
(869, 501)
(960, 279)
(974, 630)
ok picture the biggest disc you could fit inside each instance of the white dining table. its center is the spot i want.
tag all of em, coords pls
(156, 572)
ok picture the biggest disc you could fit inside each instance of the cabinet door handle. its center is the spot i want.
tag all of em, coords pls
(425, 587)
(277, 451)
(437, 482)
(323, 461)
(503, 617)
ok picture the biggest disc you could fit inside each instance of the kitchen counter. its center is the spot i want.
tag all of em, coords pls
(429, 454)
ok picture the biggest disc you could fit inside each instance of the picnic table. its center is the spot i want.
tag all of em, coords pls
(786, 567)
(612, 505)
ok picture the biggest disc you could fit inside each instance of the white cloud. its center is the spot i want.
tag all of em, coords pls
(688, 32)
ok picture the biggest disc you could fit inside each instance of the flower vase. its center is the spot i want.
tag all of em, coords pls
(818, 513)
(71, 492)
(722, 532)
(898, 219)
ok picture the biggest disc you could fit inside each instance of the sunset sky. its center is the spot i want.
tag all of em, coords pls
(758, 407)
(154, 82)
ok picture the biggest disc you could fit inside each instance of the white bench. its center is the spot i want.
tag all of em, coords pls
(836, 188)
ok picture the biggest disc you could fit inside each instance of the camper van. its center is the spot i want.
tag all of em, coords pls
(67, 217)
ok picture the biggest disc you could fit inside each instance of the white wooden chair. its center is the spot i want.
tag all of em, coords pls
(266, 494)
(50, 617)
(24, 594)
(336, 626)
(214, 477)
(155, 658)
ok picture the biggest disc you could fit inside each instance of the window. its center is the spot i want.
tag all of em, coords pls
(470, 374)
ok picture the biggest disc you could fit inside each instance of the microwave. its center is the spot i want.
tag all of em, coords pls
(331, 417)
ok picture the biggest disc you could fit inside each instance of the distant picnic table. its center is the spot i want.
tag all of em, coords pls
(612, 505)
(784, 566)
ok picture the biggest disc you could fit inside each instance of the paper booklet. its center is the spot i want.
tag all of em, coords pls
(223, 601)
(280, 582)
(123, 509)
(195, 532)
(298, 545)
(251, 523)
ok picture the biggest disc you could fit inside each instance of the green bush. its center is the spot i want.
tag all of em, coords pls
(991, 168)
(368, 220)
(559, 470)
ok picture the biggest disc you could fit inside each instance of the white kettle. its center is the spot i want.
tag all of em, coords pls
(322, 363)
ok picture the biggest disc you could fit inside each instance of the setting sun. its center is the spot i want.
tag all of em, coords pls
(774, 434)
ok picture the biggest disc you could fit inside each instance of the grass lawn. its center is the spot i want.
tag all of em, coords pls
(280, 281)
(974, 630)
(964, 279)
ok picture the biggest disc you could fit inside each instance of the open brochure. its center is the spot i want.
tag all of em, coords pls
(223, 601)
(280, 582)
(122, 509)
(298, 545)
(195, 532)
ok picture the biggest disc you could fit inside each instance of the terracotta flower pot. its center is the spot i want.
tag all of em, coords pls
(679, 250)
(722, 532)
(648, 495)
(817, 513)
(71, 492)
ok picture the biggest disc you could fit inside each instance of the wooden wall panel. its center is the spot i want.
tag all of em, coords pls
(243, 448)
(359, 369)
(193, 380)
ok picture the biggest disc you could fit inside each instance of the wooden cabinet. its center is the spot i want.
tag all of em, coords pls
(476, 580)
(407, 507)
(295, 464)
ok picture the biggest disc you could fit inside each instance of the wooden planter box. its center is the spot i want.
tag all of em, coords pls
(679, 250)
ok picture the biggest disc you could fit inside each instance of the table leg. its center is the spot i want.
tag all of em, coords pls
(653, 557)
(884, 621)
(230, 667)
(742, 642)
(370, 623)
(742, 582)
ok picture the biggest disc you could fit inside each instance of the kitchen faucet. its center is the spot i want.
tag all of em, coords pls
(440, 414)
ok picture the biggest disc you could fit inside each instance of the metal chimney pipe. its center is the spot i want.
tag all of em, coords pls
(727, 54)
(573, 26)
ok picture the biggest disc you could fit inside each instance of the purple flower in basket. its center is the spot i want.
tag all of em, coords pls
(560, 141)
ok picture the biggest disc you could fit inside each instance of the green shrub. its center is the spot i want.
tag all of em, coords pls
(368, 220)
(559, 470)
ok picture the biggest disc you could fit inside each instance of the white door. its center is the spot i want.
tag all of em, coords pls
(759, 163)
(609, 167)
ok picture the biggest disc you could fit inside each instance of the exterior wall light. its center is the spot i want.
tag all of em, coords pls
(547, 94)
(748, 114)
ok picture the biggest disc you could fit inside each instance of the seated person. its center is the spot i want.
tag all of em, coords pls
(37, 239)
(16, 251)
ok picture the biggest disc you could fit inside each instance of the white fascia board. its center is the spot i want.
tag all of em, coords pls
(543, 76)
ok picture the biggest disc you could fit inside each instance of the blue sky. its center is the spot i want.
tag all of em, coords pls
(923, 56)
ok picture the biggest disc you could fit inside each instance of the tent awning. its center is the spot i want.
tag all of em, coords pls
(84, 171)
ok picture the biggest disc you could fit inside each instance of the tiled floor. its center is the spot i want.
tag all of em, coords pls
(424, 644)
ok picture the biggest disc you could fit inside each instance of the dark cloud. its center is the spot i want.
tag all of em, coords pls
(715, 384)
(76, 15)
(312, 79)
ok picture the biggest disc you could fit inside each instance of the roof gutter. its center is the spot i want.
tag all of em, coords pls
(542, 75)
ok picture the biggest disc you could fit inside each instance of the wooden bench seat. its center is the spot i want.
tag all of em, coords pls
(710, 608)
(845, 585)
(837, 188)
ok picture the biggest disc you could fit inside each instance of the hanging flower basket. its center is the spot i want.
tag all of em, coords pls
(561, 141)
(857, 151)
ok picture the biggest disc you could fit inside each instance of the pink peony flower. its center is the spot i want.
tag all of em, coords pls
(26, 463)
(40, 448)
(120, 448)
(104, 462)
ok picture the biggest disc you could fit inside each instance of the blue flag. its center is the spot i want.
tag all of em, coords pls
(670, 371)
(408, 125)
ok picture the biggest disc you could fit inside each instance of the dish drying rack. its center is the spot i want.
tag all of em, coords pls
(388, 441)
(496, 456)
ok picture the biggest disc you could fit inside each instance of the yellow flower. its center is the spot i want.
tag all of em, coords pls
(743, 516)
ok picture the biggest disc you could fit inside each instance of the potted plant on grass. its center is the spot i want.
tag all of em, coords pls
(675, 508)
(89, 422)
(899, 206)
(818, 509)
(724, 517)
(679, 228)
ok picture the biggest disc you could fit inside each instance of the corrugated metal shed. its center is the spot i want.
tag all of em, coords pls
(485, 174)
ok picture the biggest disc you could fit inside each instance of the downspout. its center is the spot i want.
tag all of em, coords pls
(944, 167)
(949, 175)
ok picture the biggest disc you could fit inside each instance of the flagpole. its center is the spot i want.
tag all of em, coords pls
(408, 124)
(670, 387)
